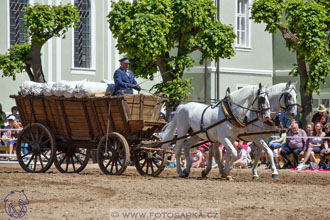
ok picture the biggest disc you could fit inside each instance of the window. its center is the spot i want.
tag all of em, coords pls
(243, 24)
(17, 35)
(325, 102)
(82, 35)
(321, 101)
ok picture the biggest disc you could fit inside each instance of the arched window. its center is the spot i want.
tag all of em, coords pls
(17, 35)
(82, 35)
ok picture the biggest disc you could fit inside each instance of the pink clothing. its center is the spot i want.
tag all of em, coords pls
(245, 147)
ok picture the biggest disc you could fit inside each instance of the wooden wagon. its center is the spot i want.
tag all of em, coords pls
(64, 131)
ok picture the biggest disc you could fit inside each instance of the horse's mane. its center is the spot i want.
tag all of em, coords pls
(278, 88)
(237, 93)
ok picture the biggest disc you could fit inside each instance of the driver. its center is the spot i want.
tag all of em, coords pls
(124, 78)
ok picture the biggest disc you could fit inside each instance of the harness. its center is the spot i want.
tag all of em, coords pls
(226, 106)
(287, 97)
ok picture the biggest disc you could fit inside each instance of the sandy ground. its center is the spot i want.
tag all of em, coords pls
(91, 194)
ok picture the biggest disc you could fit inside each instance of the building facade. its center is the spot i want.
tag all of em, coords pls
(89, 52)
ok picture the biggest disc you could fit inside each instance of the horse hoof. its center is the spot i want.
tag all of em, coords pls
(229, 178)
(255, 177)
(186, 173)
(182, 175)
(275, 176)
(204, 174)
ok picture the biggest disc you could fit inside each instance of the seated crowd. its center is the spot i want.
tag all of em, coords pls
(9, 130)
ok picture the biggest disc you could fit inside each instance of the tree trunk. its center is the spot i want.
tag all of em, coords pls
(166, 76)
(306, 98)
(36, 63)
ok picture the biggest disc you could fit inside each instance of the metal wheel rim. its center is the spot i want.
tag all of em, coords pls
(150, 163)
(35, 149)
(71, 160)
(115, 160)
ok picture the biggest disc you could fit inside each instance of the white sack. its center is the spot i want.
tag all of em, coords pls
(47, 88)
(65, 88)
(87, 89)
(31, 88)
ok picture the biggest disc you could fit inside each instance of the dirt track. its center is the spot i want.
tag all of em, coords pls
(89, 195)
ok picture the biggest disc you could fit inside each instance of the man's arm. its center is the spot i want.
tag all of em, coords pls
(288, 140)
(304, 138)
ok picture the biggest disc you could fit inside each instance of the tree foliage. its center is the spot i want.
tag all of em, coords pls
(42, 22)
(162, 34)
(15, 61)
(305, 26)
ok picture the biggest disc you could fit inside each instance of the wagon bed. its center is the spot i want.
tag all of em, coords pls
(78, 125)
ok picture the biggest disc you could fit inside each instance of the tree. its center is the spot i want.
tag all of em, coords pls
(304, 26)
(42, 22)
(162, 34)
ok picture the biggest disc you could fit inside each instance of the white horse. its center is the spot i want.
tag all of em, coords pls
(281, 96)
(196, 117)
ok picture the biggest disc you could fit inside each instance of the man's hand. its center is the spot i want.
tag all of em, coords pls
(302, 152)
(136, 87)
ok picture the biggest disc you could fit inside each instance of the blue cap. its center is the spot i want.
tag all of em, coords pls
(124, 60)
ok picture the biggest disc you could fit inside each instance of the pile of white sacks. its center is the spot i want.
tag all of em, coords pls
(68, 89)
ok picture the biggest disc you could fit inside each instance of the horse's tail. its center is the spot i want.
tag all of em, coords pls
(169, 129)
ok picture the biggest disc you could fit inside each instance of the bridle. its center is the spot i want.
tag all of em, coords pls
(287, 96)
(260, 98)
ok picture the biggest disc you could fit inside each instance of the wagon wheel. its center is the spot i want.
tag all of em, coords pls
(114, 160)
(71, 160)
(36, 148)
(150, 162)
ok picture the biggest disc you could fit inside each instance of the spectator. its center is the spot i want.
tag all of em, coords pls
(326, 150)
(12, 134)
(286, 120)
(206, 157)
(14, 112)
(314, 144)
(241, 160)
(321, 115)
(295, 143)
(2, 121)
(275, 145)
(197, 158)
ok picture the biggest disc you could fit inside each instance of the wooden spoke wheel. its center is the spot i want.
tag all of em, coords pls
(71, 160)
(36, 148)
(150, 162)
(113, 159)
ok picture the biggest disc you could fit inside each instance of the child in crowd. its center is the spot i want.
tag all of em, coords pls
(275, 144)
(241, 160)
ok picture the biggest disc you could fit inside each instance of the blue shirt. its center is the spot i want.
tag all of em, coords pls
(286, 121)
(123, 81)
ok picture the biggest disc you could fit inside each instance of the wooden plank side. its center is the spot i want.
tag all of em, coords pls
(96, 118)
(124, 118)
(136, 125)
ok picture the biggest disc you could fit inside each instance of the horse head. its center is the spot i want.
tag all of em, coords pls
(251, 99)
(288, 99)
(262, 104)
